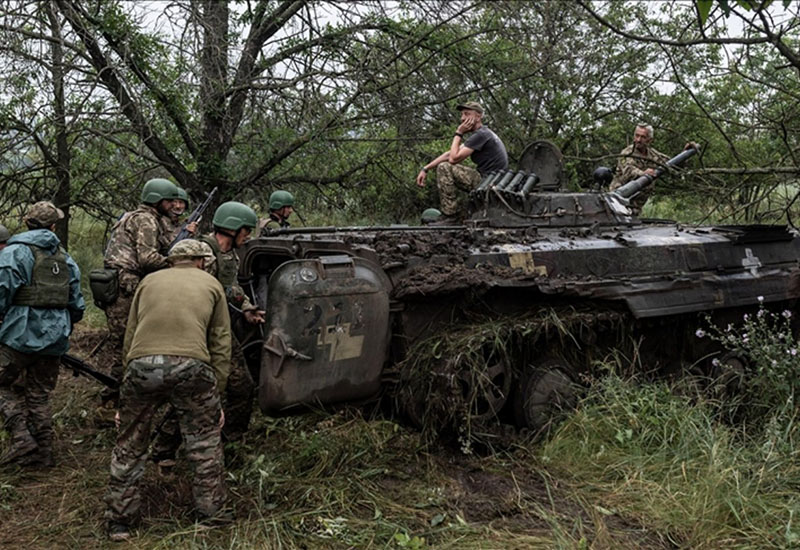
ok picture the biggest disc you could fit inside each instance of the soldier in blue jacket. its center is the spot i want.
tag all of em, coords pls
(40, 300)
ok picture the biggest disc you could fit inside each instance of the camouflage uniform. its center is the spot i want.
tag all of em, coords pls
(273, 222)
(137, 247)
(632, 165)
(40, 301)
(240, 390)
(450, 178)
(188, 376)
(188, 385)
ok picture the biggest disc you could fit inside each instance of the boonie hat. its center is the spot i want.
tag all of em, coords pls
(43, 214)
(190, 248)
(471, 105)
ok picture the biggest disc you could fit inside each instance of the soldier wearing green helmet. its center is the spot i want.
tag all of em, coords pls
(179, 207)
(5, 234)
(233, 223)
(137, 246)
(281, 206)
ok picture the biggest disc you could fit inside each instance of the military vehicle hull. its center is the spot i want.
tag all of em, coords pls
(353, 311)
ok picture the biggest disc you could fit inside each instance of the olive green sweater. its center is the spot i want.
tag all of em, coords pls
(181, 311)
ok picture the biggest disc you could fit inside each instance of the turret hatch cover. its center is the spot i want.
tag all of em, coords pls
(545, 160)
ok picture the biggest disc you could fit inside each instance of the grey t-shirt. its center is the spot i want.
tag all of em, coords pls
(489, 153)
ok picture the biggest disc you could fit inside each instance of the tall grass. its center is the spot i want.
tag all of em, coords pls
(644, 452)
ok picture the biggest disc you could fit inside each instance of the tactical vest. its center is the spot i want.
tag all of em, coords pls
(49, 286)
(226, 265)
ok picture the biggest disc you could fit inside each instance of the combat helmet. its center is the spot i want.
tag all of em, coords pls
(5, 234)
(158, 189)
(430, 215)
(234, 215)
(190, 248)
(280, 198)
(183, 195)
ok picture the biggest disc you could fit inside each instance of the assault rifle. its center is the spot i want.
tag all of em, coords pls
(193, 217)
(79, 367)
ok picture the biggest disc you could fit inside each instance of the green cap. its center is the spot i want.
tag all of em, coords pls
(471, 105)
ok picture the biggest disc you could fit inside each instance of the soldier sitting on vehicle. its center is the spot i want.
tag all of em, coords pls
(484, 148)
(180, 356)
(639, 159)
(40, 301)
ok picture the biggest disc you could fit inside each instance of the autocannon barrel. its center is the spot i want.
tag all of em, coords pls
(634, 186)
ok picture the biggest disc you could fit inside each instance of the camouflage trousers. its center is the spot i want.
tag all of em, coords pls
(237, 404)
(117, 319)
(449, 179)
(189, 386)
(26, 382)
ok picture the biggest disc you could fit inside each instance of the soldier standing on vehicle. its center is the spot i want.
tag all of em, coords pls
(281, 206)
(233, 223)
(484, 148)
(40, 301)
(5, 234)
(137, 247)
(180, 356)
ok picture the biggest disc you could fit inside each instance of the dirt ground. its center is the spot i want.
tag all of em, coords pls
(63, 508)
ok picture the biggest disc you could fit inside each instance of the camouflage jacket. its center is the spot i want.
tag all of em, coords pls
(225, 267)
(137, 244)
(272, 222)
(632, 165)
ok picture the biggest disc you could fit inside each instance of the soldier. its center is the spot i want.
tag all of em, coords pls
(180, 356)
(5, 234)
(40, 301)
(233, 223)
(484, 148)
(637, 160)
(137, 247)
(281, 206)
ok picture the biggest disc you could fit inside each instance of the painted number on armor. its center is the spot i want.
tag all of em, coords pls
(343, 345)
(524, 261)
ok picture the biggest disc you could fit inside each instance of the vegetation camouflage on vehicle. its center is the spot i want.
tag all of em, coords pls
(494, 322)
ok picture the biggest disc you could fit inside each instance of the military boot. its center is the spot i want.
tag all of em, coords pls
(22, 445)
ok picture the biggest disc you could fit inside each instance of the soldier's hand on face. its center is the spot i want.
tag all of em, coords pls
(466, 126)
(421, 178)
(254, 316)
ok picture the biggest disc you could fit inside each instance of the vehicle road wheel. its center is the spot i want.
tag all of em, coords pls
(487, 391)
(544, 393)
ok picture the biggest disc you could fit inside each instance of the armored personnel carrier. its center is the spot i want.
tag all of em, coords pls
(497, 321)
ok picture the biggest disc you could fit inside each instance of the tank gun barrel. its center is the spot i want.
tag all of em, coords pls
(634, 186)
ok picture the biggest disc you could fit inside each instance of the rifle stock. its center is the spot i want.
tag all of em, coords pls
(79, 367)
